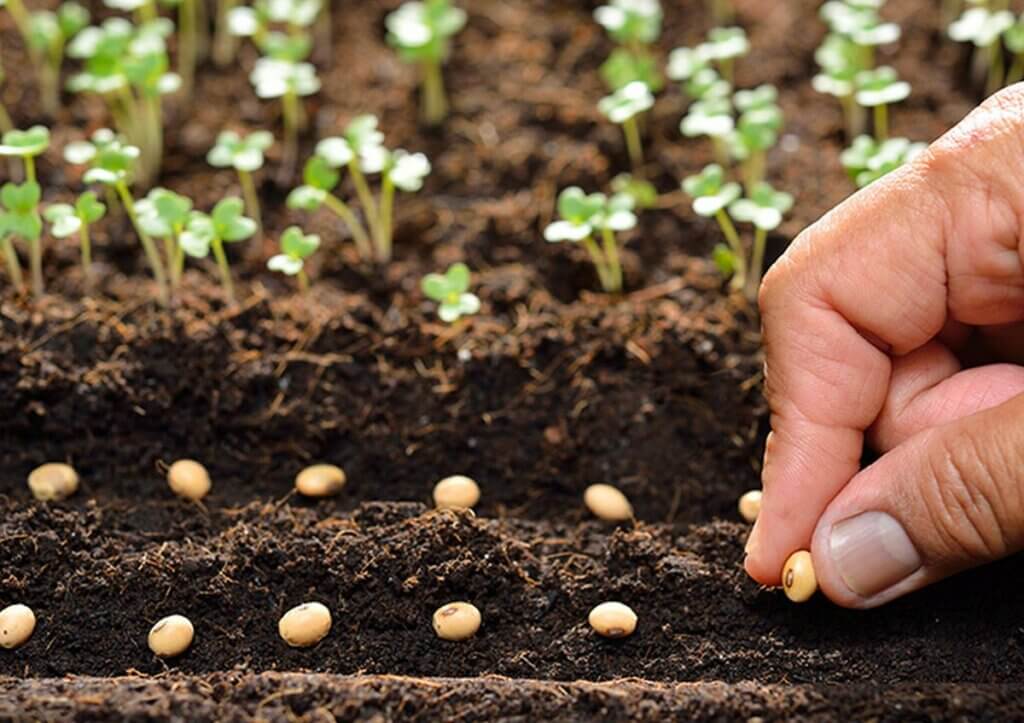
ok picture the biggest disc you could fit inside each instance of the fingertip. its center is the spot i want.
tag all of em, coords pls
(757, 563)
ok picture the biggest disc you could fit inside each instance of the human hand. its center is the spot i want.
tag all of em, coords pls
(868, 319)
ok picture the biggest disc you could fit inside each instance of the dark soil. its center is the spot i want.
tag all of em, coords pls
(551, 388)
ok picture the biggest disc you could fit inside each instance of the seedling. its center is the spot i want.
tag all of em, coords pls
(711, 117)
(403, 171)
(421, 32)
(191, 18)
(839, 59)
(19, 218)
(451, 291)
(635, 25)
(878, 89)
(67, 220)
(224, 41)
(288, 80)
(164, 214)
(225, 224)
(694, 72)
(49, 33)
(867, 160)
(643, 193)
(712, 196)
(26, 145)
(984, 28)
(622, 108)
(860, 23)
(763, 207)
(320, 179)
(756, 131)
(723, 47)
(296, 247)
(245, 155)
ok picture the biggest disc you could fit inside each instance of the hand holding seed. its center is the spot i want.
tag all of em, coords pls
(898, 319)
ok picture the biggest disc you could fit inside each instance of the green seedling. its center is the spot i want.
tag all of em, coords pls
(839, 59)
(878, 89)
(191, 21)
(112, 163)
(711, 117)
(723, 47)
(984, 28)
(296, 247)
(288, 80)
(67, 220)
(643, 193)
(635, 25)
(403, 171)
(763, 207)
(245, 155)
(1014, 39)
(143, 10)
(26, 145)
(694, 72)
(225, 224)
(20, 218)
(712, 196)
(623, 108)
(320, 179)
(421, 32)
(861, 25)
(48, 35)
(624, 66)
(757, 131)
(164, 214)
(451, 291)
(225, 44)
(867, 160)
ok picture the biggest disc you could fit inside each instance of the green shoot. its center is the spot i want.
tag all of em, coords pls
(878, 89)
(623, 108)
(712, 196)
(421, 32)
(624, 66)
(320, 179)
(67, 220)
(711, 117)
(451, 291)
(26, 145)
(984, 27)
(49, 33)
(635, 26)
(403, 171)
(756, 131)
(224, 44)
(225, 224)
(296, 247)
(163, 214)
(643, 193)
(839, 59)
(19, 218)
(723, 47)
(763, 207)
(867, 160)
(245, 155)
(189, 12)
(290, 81)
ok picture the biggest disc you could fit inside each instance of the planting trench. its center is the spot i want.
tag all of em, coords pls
(550, 389)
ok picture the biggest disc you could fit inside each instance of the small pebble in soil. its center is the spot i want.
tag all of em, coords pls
(456, 621)
(189, 479)
(53, 481)
(320, 480)
(750, 505)
(171, 636)
(456, 492)
(16, 625)
(305, 625)
(798, 579)
(613, 620)
(608, 503)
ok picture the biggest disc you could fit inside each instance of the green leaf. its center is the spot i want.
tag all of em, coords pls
(173, 208)
(285, 264)
(198, 236)
(32, 142)
(725, 260)
(21, 198)
(297, 244)
(319, 174)
(624, 66)
(229, 223)
(64, 222)
(306, 198)
(435, 286)
(72, 18)
(89, 209)
(458, 277)
(576, 206)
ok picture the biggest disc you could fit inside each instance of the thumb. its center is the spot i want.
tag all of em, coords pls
(945, 500)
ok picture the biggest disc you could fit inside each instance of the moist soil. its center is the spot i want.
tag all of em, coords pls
(552, 387)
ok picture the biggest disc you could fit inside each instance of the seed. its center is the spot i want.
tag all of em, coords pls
(750, 505)
(320, 480)
(16, 625)
(456, 492)
(305, 625)
(798, 579)
(53, 481)
(613, 620)
(189, 479)
(171, 636)
(608, 503)
(456, 621)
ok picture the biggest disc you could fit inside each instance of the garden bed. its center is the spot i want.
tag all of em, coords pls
(551, 388)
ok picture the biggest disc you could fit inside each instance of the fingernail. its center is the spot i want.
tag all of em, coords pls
(872, 552)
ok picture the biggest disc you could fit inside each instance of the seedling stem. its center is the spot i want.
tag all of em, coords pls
(222, 264)
(633, 144)
(152, 255)
(434, 102)
(881, 113)
(252, 201)
(352, 221)
(387, 202)
(613, 265)
(757, 262)
(365, 197)
(13, 267)
(739, 278)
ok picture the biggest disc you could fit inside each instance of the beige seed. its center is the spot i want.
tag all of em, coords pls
(456, 492)
(750, 505)
(608, 503)
(53, 481)
(16, 625)
(305, 625)
(613, 620)
(798, 579)
(320, 480)
(171, 636)
(189, 479)
(456, 621)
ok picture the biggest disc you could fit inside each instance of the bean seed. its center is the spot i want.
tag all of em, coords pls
(456, 492)
(320, 480)
(608, 503)
(171, 636)
(456, 621)
(798, 579)
(750, 505)
(613, 620)
(16, 625)
(189, 479)
(53, 481)
(305, 625)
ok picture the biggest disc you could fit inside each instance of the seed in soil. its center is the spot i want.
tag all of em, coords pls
(320, 480)
(613, 620)
(456, 492)
(305, 625)
(53, 481)
(456, 621)
(750, 505)
(608, 503)
(189, 479)
(798, 579)
(16, 625)
(171, 636)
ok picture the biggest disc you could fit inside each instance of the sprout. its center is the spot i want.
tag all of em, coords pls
(983, 28)
(451, 291)
(225, 224)
(404, 171)
(224, 44)
(189, 24)
(245, 155)
(296, 247)
(757, 130)
(48, 34)
(624, 66)
(421, 31)
(711, 117)
(643, 193)
(288, 80)
(839, 59)
(867, 160)
(634, 25)
(712, 196)
(163, 214)
(724, 46)
(26, 145)
(622, 107)
(877, 89)
(19, 218)
(763, 207)
(67, 220)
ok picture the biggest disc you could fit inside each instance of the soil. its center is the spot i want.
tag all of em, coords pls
(551, 388)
